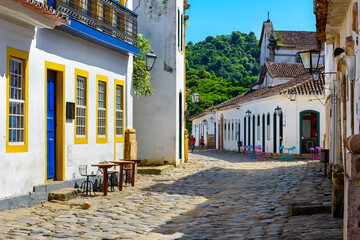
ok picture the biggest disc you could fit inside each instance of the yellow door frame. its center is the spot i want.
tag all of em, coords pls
(60, 116)
(119, 139)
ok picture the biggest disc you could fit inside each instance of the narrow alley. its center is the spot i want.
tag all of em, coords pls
(217, 195)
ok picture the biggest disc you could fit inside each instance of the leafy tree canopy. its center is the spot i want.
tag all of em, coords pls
(232, 56)
(220, 68)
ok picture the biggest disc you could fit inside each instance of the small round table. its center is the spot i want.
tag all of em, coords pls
(105, 167)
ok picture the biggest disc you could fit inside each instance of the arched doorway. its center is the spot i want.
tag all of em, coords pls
(263, 132)
(253, 135)
(245, 143)
(274, 135)
(309, 130)
(222, 133)
(249, 131)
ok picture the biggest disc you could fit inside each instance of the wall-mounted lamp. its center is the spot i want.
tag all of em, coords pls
(278, 110)
(248, 113)
(195, 97)
(351, 67)
(150, 60)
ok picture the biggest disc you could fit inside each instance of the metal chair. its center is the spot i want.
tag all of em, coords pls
(282, 155)
(291, 153)
(259, 153)
(317, 154)
(245, 151)
(112, 179)
(85, 184)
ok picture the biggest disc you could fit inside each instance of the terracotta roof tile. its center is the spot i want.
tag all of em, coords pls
(46, 10)
(297, 38)
(285, 70)
(303, 85)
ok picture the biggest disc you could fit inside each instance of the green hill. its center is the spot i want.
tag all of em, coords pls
(232, 56)
(220, 68)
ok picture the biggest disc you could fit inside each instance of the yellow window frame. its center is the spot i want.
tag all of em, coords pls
(84, 74)
(119, 83)
(100, 78)
(24, 56)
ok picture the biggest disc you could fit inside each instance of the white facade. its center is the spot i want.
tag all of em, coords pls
(159, 118)
(264, 130)
(301, 123)
(203, 126)
(55, 50)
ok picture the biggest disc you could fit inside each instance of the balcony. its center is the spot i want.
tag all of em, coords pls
(105, 22)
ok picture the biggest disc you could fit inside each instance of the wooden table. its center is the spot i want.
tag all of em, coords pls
(134, 162)
(121, 176)
(105, 167)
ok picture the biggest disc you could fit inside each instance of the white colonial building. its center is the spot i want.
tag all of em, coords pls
(283, 83)
(159, 118)
(66, 88)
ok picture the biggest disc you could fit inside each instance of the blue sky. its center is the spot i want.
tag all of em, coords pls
(217, 17)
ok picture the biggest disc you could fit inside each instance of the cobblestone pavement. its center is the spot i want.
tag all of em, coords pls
(217, 195)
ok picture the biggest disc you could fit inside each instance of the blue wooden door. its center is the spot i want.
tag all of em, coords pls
(51, 77)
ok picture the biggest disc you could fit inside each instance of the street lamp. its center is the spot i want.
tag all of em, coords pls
(195, 97)
(150, 59)
(310, 59)
(351, 67)
(248, 113)
(278, 110)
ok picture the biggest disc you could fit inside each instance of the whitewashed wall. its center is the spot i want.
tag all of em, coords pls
(19, 172)
(291, 127)
(157, 116)
(203, 126)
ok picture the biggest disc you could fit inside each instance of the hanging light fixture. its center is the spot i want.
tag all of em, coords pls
(195, 97)
(150, 59)
(310, 59)
(278, 110)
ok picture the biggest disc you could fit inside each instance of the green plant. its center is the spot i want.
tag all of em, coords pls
(164, 2)
(141, 76)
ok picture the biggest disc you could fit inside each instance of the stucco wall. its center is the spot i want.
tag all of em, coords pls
(19, 172)
(157, 116)
(291, 127)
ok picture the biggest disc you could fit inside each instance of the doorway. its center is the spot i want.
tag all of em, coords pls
(263, 132)
(180, 125)
(253, 135)
(309, 130)
(54, 121)
(274, 135)
(51, 124)
(222, 133)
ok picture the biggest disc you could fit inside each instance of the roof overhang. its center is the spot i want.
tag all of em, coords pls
(30, 12)
(330, 17)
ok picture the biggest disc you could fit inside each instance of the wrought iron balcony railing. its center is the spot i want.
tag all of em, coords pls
(107, 16)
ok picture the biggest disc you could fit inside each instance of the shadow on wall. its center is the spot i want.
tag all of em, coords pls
(63, 45)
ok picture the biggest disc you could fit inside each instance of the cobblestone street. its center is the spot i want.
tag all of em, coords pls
(217, 195)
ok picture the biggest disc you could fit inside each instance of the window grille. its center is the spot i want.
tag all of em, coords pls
(119, 111)
(16, 102)
(81, 107)
(101, 110)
